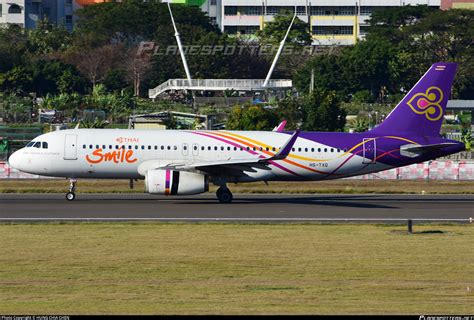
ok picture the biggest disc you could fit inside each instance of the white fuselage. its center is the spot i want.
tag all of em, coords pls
(128, 154)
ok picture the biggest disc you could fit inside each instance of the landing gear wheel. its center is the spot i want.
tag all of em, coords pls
(224, 195)
(70, 196)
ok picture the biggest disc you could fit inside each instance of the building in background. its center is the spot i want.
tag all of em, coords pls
(457, 4)
(332, 22)
(26, 13)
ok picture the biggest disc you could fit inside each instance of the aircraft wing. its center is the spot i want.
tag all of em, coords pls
(237, 166)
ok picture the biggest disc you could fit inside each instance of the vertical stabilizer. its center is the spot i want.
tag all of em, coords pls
(421, 110)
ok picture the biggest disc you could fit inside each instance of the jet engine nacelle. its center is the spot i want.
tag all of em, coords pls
(170, 182)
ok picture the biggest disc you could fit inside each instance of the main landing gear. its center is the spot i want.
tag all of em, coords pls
(224, 195)
(70, 196)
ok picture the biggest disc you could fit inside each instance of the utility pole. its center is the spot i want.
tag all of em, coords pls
(183, 56)
(280, 49)
(311, 84)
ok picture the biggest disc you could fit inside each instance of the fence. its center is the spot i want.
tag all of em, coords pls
(434, 170)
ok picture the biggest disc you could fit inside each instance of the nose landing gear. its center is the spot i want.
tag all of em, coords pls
(70, 196)
(224, 195)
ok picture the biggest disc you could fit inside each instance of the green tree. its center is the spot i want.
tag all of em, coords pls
(359, 124)
(251, 118)
(299, 36)
(274, 31)
(13, 47)
(136, 20)
(290, 109)
(48, 38)
(322, 112)
(17, 80)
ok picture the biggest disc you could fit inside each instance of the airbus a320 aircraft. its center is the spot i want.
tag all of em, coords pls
(184, 162)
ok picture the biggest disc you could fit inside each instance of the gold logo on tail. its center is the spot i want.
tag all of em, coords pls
(428, 103)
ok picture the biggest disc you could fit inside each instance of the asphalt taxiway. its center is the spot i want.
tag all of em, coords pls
(255, 207)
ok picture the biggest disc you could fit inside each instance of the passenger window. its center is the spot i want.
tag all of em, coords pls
(195, 147)
(175, 148)
(305, 149)
(215, 148)
(202, 148)
(136, 147)
(45, 145)
(129, 147)
(162, 147)
(299, 149)
(110, 146)
(332, 150)
(228, 148)
(103, 146)
(37, 145)
(222, 148)
(273, 149)
(325, 149)
(209, 148)
(143, 147)
(84, 146)
(312, 149)
(149, 147)
(319, 149)
(156, 147)
(293, 149)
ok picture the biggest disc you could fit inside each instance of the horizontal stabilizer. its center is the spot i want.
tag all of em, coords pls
(415, 150)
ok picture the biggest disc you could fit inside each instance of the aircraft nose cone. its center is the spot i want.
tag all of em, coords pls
(14, 160)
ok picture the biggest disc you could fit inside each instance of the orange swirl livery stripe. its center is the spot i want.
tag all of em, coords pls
(222, 134)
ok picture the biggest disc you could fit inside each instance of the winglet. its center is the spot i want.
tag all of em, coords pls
(285, 151)
(280, 127)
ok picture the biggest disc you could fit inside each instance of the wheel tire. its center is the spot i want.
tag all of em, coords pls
(225, 196)
(218, 193)
(70, 196)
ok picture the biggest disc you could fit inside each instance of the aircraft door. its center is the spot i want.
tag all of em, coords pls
(369, 151)
(185, 149)
(70, 147)
(195, 149)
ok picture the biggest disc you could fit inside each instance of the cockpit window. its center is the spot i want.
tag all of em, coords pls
(37, 145)
(45, 145)
(30, 144)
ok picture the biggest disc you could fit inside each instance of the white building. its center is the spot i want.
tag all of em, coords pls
(332, 22)
(26, 13)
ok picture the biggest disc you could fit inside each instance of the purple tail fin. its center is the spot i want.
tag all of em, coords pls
(421, 110)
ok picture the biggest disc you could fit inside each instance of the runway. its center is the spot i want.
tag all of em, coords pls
(271, 207)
